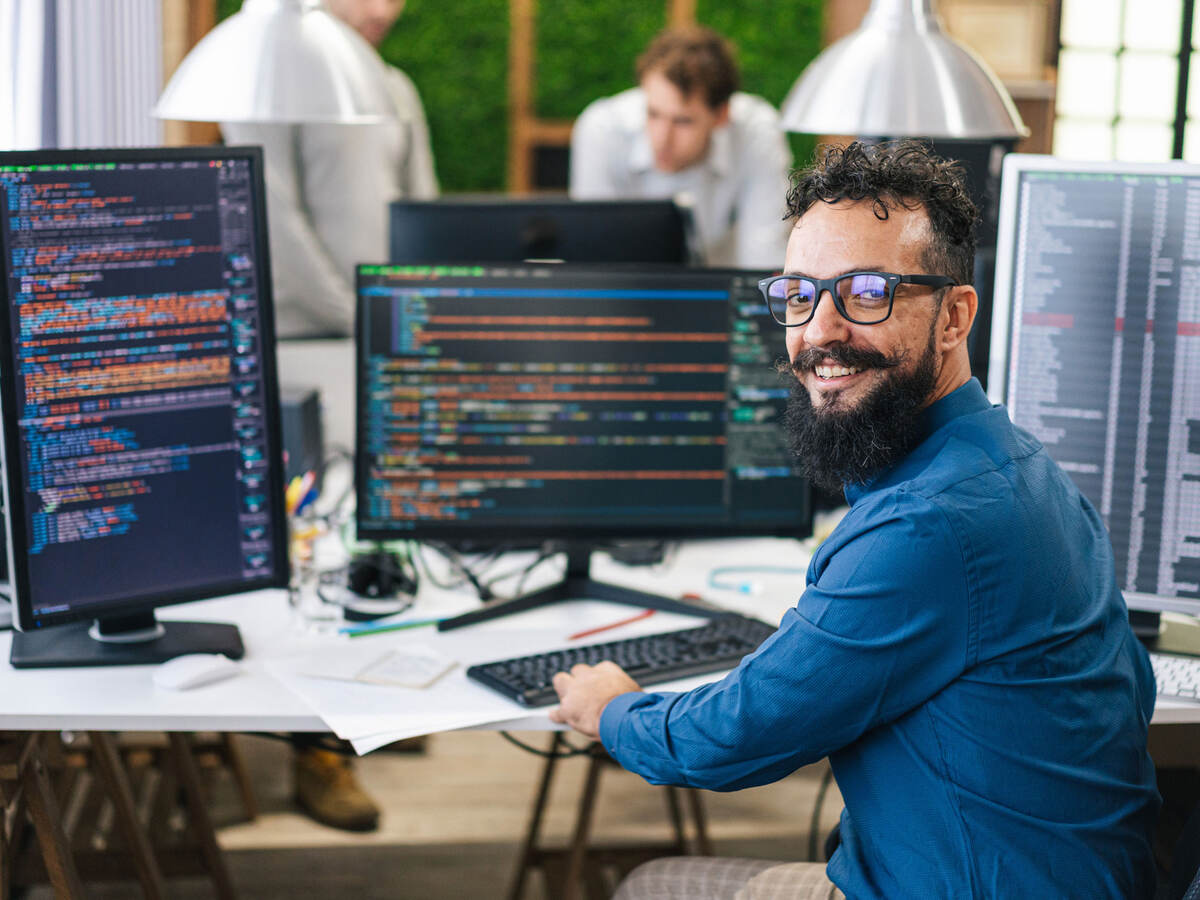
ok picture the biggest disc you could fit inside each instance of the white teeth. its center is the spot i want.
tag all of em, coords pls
(835, 371)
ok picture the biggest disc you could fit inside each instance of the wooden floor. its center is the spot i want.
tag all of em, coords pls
(453, 819)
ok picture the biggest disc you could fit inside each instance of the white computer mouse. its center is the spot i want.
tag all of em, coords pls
(194, 669)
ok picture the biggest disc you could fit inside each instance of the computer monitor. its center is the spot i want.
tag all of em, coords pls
(505, 229)
(140, 414)
(570, 405)
(1096, 351)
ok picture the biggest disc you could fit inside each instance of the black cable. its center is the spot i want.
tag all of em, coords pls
(545, 754)
(814, 824)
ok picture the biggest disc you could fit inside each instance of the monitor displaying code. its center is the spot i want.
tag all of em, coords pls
(560, 402)
(135, 325)
(1100, 344)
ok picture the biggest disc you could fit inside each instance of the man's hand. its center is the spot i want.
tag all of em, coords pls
(585, 691)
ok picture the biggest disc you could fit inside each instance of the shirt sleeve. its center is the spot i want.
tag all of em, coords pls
(596, 144)
(881, 628)
(419, 179)
(312, 297)
(762, 200)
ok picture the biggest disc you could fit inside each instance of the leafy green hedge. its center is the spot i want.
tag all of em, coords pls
(457, 53)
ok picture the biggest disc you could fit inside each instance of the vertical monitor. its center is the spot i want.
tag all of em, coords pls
(1096, 351)
(140, 415)
(549, 403)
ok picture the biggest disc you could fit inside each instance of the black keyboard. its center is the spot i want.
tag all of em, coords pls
(650, 659)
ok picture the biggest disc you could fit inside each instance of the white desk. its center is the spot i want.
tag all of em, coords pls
(124, 698)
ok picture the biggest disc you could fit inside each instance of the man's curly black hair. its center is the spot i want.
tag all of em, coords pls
(898, 173)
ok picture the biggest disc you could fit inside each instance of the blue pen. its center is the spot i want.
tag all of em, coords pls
(311, 496)
(356, 631)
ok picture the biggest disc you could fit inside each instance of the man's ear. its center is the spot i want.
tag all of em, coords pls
(959, 308)
(722, 112)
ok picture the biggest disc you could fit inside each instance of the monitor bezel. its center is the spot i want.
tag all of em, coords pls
(1015, 166)
(495, 535)
(13, 476)
(497, 215)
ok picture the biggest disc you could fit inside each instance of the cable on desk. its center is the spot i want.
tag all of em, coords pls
(747, 587)
(546, 754)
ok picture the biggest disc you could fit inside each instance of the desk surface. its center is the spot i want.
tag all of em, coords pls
(125, 699)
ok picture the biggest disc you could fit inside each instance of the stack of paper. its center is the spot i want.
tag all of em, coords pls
(377, 689)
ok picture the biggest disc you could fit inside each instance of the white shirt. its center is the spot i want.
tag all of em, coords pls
(736, 192)
(328, 189)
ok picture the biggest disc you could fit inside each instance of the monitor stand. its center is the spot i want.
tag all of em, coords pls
(122, 641)
(578, 584)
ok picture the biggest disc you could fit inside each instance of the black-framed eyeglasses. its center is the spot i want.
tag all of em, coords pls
(864, 298)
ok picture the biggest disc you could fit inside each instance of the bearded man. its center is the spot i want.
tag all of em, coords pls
(961, 651)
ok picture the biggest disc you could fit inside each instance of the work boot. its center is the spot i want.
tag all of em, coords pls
(327, 790)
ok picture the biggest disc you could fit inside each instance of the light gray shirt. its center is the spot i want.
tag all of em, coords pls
(328, 189)
(736, 192)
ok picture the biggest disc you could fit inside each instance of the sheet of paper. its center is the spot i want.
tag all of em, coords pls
(355, 709)
(373, 715)
(410, 666)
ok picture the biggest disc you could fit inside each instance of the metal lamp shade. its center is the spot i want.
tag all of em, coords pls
(279, 61)
(900, 75)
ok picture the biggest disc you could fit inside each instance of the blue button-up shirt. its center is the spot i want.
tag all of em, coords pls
(962, 655)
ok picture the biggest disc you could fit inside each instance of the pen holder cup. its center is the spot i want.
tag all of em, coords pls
(308, 608)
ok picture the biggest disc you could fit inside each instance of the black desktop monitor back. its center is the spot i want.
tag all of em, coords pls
(141, 436)
(1096, 351)
(499, 230)
(559, 403)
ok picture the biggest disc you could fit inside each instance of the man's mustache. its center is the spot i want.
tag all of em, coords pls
(842, 355)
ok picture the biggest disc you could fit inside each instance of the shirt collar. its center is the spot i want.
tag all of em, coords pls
(964, 400)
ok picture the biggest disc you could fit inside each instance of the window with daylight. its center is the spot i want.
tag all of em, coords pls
(1124, 90)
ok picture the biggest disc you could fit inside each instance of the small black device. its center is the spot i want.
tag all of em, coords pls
(303, 438)
(649, 659)
(379, 575)
(141, 437)
(500, 230)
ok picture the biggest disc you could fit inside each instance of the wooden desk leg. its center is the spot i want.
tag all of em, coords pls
(198, 817)
(704, 845)
(112, 773)
(528, 848)
(583, 825)
(47, 824)
(237, 764)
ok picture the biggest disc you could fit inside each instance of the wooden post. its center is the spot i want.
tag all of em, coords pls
(521, 38)
(681, 12)
(184, 23)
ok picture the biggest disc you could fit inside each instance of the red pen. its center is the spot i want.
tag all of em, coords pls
(588, 632)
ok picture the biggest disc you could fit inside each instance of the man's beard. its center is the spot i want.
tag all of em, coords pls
(840, 447)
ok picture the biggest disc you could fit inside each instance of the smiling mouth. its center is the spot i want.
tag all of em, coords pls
(827, 372)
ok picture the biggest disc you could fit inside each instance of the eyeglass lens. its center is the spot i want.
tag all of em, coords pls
(864, 298)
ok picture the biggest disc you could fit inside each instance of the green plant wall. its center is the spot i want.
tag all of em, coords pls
(457, 54)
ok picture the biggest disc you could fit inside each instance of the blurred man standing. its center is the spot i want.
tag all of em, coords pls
(328, 189)
(687, 133)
